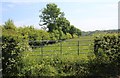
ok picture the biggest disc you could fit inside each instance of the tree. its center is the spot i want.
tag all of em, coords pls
(78, 32)
(63, 24)
(53, 19)
(49, 16)
(72, 30)
(9, 25)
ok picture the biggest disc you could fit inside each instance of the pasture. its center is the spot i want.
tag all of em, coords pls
(53, 63)
(80, 47)
(68, 63)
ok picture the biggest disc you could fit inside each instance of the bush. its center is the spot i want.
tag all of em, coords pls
(75, 36)
(34, 36)
(12, 46)
(52, 36)
(54, 66)
(68, 36)
(108, 46)
(107, 51)
(102, 69)
(62, 36)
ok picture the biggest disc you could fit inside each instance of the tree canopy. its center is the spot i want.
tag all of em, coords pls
(54, 20)
(49, 16)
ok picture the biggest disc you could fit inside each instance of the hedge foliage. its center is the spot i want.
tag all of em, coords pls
(108, 46)
(13, 43)
(65, 66)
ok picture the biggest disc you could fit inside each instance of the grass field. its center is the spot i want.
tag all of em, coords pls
(65, 49)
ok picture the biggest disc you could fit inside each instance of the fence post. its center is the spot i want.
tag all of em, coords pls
(61, 47)
(78, 46)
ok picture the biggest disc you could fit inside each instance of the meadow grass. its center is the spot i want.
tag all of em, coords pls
(69, 50)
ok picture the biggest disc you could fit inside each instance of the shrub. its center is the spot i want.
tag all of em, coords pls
(75, 36)
(68, 36)
(102, 69)
(12, 45)
(108, 46)
(52, 36)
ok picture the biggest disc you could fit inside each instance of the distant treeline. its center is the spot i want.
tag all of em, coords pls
(99, 31)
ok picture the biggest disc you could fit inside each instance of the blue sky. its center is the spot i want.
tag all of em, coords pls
(87, 15)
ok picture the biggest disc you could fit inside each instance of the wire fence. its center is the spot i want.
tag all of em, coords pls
(53, 47)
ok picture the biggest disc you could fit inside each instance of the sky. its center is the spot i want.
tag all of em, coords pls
(87, 15)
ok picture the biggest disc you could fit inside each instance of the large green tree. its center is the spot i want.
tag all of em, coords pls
(49, 15)
(52, 18)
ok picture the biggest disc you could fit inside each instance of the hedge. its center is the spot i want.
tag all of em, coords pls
(12, 45)
(108, 46)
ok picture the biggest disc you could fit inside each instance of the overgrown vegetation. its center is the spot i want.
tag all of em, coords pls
(97, 64)
(107, 46)
(104, 62)
(11, 48)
